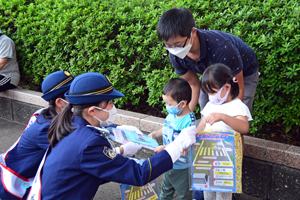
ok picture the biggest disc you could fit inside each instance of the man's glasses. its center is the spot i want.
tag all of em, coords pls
(185, 42)
(176, 45)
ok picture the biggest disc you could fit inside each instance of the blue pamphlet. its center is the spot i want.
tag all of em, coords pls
(123, 136)
(141, 139)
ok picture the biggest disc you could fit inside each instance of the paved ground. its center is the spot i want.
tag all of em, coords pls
(10, 131)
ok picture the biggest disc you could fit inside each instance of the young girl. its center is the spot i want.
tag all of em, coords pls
(80, 159)
(224, 112)
(24, 157)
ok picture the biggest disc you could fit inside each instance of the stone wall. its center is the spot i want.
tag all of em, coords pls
(271, 170)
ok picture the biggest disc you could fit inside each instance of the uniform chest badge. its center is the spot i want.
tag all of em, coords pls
(109, 152)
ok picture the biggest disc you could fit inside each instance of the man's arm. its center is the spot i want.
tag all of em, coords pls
(2, 62)
(194, 82)
(231, 58)
(240, 82)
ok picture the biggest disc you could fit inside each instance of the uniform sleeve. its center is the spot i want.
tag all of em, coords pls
(179, 68)
(230, 56)
(101, 162)
(43, 142)
(6, 49)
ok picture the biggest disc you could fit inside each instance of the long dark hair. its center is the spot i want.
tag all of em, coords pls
(61, 125)
(215, 77)
(50, 112)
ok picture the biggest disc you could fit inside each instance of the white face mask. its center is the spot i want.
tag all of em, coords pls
(111, 118)
(217, 99)
(181, 52)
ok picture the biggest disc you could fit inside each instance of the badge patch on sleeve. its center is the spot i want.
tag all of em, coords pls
(109, 153)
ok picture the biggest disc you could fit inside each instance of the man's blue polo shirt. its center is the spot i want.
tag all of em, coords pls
(218, 47)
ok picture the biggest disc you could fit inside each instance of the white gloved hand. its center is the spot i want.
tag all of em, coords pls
(186, 138)
(117, 150)
(130, 128)
(130, 148)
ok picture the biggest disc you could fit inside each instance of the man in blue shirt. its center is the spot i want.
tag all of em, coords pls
(192, 50)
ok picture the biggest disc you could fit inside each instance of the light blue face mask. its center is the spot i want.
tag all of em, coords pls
(174, 110)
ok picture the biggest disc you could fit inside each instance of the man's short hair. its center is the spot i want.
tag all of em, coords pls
(175, 22)
(179, 89)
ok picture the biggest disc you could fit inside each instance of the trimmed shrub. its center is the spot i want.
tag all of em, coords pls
(118, 38)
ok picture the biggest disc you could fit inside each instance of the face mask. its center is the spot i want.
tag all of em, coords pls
(216, 99)
(181, 52)
(111, 118)
(174, 110)
(64, 100)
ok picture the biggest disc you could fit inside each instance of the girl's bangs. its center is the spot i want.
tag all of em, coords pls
(208, 85)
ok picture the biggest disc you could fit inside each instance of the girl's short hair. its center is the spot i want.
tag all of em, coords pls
(215, 77)
(179, 89)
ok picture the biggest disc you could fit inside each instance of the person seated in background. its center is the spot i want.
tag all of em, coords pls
(9, 67)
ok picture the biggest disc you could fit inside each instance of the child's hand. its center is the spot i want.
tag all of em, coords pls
(152, 135)
(185, 151)
(159, 149)
(213, 117)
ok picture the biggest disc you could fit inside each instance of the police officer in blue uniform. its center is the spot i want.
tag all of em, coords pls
(80, 159)
(25, 156)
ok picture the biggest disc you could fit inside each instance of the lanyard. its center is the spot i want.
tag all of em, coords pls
(35, 191)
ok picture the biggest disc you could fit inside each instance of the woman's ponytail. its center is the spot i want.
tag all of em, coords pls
(61, 126)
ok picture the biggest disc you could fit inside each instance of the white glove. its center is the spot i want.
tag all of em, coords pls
(186, 138)
(130, 148)
(117, 150)
(130, 128)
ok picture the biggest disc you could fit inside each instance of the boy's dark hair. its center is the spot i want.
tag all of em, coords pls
(215, 77)
(174, 22)
(179, 89)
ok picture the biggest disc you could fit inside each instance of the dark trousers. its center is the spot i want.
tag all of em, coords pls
(6, 85)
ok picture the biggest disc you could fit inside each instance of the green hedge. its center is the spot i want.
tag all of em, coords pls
(118, 38)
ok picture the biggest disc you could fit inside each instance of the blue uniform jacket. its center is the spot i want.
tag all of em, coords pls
(83, 160)
(27, 155)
